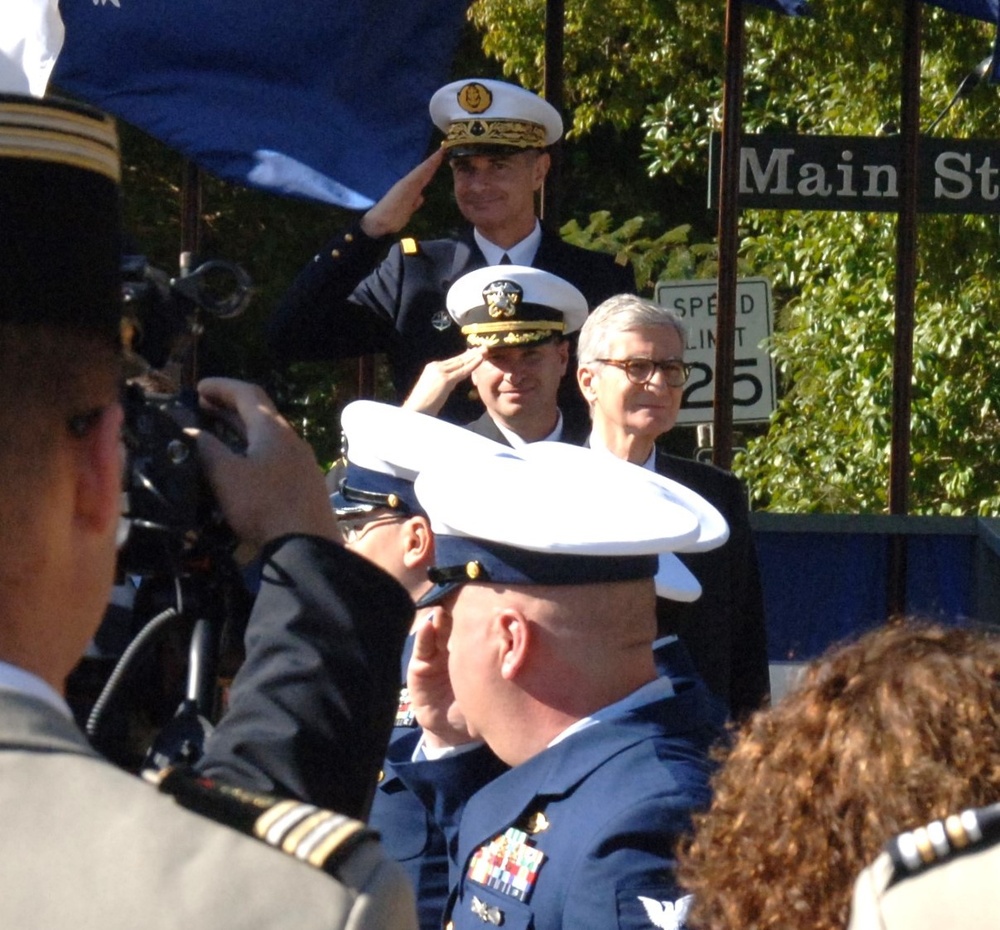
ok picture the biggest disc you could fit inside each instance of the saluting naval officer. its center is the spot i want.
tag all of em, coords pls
(516, 321)
(382, 520)
(346, 302)
(541, 647)
(84, 844)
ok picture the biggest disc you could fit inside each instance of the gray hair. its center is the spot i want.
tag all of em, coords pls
(622, 313)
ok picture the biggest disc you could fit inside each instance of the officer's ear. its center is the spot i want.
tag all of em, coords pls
(516, 634)
(98, 462)
(563, 352)
(543, 161)
(418, 542)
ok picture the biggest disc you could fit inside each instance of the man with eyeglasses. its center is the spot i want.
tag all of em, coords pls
(516, 321)
(631, 372)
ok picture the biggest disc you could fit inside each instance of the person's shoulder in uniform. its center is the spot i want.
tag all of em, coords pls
(88, 846)
(940, 875)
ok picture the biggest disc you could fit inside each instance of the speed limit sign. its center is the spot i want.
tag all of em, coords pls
(753, 371)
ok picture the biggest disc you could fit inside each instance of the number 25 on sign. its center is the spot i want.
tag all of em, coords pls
(696, 303)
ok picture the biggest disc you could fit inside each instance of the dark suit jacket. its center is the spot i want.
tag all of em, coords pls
(346, 303)
(724, 630)
(485, 426)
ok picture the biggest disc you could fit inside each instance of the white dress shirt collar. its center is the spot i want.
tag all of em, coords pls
(521, 253)
(516, 442)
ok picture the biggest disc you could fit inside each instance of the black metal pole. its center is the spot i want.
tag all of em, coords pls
(732, 122)
(191, 190)
(906, 274)
(555, 22)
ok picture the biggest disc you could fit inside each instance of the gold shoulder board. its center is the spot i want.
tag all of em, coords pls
(319, 837)
(409, 246)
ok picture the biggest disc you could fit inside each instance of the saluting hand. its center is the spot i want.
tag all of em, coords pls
(439, 379)
(402, 200)
(431, 694)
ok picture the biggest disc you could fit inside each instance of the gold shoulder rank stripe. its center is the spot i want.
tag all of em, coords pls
(319, 837)
(409, 245)
(79, 139)
(309, 833)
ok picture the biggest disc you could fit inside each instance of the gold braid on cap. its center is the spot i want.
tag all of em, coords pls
(517, 134)
(511, 333)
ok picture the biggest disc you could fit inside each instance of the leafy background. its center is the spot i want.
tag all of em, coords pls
(643, 85)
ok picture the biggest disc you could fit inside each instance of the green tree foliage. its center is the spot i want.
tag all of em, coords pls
(826, 448)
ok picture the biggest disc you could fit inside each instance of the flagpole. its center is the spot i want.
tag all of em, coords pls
(191, 191)
(906, 265)
(732, 120)
(555, 27)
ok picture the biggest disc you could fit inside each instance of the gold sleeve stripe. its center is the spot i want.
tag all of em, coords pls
(301, 831)
(43, 134)
(333, 841)
(275, 823)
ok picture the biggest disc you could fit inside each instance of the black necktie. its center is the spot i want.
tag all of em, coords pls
(505, 260)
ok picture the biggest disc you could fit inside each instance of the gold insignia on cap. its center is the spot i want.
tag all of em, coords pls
(513, 333)
(502, 298)
(473, 570)
(512, 133)
(393, 501)
(475, 97)
(538, 823)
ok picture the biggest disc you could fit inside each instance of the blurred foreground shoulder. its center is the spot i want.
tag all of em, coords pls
(943, 874)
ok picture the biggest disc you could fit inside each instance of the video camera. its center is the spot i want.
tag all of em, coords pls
(170, 516)
(176, 551)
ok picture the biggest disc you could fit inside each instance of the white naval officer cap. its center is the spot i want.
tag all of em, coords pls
(539, 516)
(480, 116)
(673, 579)
(510, 305)
(384, 449)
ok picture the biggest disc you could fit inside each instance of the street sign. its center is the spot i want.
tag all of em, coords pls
(753, 371)
(779, 171)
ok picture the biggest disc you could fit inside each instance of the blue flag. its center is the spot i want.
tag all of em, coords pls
(791, 7)
(320, 99)
(978, 9)
(986, 10)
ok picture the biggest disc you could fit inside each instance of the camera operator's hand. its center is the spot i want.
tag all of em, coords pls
(276, 487)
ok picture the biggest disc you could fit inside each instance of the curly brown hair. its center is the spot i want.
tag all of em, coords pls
(896, 729)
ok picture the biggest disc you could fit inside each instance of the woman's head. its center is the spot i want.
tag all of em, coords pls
(883, 734)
